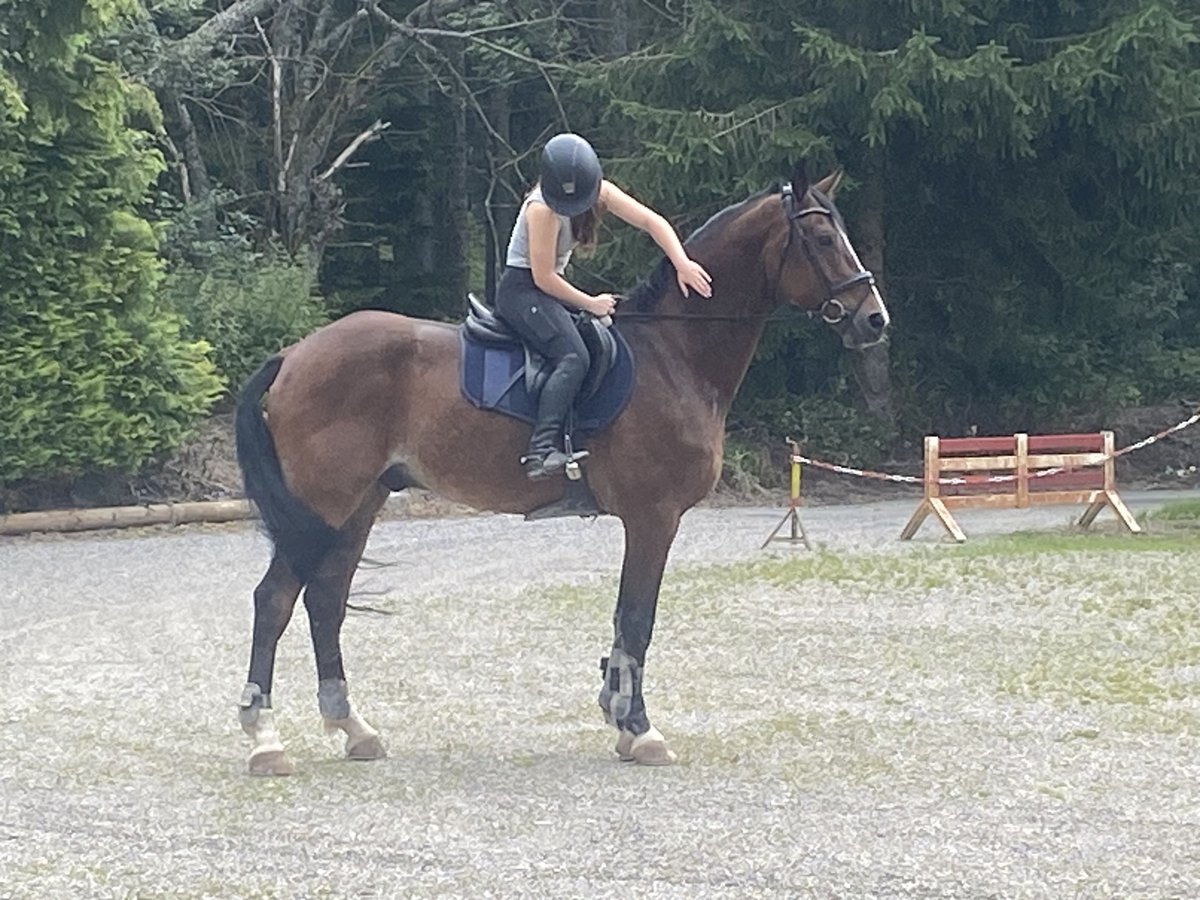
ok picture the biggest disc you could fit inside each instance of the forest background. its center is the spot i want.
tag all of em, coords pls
(187, 185)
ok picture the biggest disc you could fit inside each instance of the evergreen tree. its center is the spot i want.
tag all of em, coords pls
(1026, 172)
(94, 373)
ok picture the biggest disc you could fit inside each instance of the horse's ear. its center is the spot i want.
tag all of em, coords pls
(799, 179)
(829, 184)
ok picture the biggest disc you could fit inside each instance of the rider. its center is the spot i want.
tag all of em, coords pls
(561, 212)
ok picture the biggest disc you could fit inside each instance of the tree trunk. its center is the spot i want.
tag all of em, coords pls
(872, 366)
(617, 38)
(501, 210)
(454, 255)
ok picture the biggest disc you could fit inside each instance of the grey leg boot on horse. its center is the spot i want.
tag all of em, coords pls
(545, 457)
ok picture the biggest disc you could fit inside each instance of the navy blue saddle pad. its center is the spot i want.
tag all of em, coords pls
(492, 379)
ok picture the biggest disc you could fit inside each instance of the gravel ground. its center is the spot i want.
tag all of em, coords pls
(877, 719)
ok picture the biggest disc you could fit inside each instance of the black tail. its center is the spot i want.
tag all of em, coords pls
(301, 537)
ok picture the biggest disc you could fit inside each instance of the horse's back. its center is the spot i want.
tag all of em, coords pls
(372, 331)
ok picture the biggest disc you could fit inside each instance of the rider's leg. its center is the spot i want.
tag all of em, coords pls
(546, 325)
(545, 456)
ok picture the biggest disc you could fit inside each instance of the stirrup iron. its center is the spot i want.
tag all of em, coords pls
(553, 463)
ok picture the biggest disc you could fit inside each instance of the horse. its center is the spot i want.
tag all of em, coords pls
(371, 404)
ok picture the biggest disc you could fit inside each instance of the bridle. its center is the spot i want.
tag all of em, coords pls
(832, 311)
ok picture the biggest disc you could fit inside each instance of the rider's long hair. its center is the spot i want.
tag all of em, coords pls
(585, 228)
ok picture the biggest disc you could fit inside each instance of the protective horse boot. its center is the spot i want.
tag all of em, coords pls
(544, 459)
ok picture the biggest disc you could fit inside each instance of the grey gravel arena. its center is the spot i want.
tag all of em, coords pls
(874, 719)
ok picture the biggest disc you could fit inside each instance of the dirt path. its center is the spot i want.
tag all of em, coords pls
(877, 720)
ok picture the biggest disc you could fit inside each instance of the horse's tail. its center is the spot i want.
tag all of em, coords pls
(301, 537)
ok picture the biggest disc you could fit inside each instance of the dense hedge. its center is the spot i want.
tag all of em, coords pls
(246, 306)
(94, 373)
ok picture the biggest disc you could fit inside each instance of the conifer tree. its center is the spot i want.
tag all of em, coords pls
(94, 373)
(1031, 171)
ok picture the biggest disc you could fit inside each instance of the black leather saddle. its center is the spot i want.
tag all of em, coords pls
(484, 326)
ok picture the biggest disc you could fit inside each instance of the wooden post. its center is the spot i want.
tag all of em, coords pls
(1022, 470)
(1108, 496)
(932, 502)
(792, 516)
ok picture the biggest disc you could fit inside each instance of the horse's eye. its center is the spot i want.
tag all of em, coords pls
(825, 240)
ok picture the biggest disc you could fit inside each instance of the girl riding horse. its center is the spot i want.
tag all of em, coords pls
(562, 212)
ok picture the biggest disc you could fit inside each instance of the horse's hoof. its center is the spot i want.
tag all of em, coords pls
(271, 762)
(650, 749)
(624, 746)
(367, 749)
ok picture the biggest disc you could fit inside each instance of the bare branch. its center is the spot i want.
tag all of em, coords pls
(329, 45)
(368, 135)
(470, 97)
(276, 108)
(185, 53)
(185, 181)
(473, 35)
(432, 10)
(193, 158)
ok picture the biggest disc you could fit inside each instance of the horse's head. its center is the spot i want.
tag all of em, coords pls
(818, 269)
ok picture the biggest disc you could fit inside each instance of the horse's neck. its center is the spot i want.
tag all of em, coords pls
(717, 351)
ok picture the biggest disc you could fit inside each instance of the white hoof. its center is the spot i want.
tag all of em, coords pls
(367, 749)
(624, 746)
(650, 749)
(268, 761)
(362, 741)
(268, 756)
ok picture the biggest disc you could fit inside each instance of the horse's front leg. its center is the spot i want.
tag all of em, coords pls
(274, 600)
(647, 543)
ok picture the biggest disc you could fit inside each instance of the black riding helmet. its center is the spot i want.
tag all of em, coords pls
(571, 175)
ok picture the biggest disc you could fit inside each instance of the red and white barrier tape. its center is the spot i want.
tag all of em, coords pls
(1154, 438)
(1042, 473)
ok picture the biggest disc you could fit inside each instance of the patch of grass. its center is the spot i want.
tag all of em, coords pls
(869, 571)
(1027, 543)
(1179, 510)
(1180, 519)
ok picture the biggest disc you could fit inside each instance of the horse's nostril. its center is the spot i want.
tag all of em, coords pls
(877, 321)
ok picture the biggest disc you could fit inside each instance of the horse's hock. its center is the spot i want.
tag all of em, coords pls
(1015, 472)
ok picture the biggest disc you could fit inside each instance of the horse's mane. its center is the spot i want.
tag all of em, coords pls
(649, 291)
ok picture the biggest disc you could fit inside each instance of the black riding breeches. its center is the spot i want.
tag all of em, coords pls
(543, 322)
(546, 325)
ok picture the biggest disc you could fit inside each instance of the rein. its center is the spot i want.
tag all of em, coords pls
(777, 314)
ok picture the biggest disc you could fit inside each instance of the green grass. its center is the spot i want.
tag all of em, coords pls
(1073, 540)
(1180, 516)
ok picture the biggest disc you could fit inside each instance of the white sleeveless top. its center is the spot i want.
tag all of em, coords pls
(518, 242)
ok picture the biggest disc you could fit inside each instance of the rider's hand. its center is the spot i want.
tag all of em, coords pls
(692, 275)
(602, 305)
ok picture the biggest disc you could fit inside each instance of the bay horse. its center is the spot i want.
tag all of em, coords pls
(371, 403)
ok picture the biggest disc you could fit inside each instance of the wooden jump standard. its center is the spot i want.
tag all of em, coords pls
(1017, 471)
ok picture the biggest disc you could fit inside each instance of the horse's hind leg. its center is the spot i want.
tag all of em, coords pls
(325, 600)
(274, 600)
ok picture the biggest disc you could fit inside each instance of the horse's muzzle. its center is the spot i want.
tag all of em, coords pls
(865, 329)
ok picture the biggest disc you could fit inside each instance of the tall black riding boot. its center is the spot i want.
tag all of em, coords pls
(545, 457)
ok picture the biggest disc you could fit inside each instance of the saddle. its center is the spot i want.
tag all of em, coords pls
(485, 327)
(500, 374)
